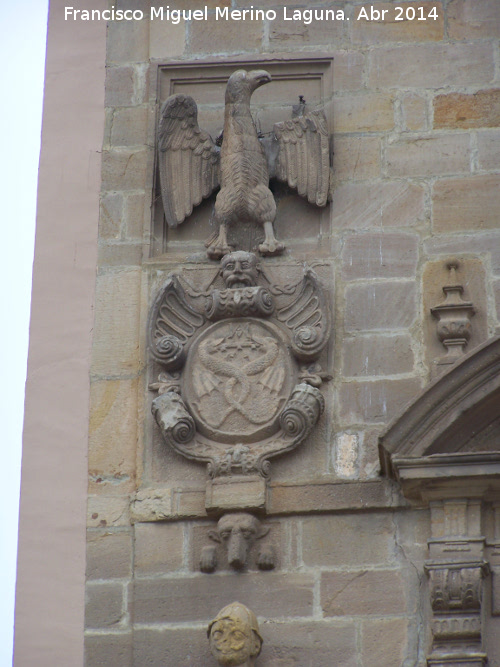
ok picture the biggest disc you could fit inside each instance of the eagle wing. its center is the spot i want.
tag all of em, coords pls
(189, 159)
(303, 159)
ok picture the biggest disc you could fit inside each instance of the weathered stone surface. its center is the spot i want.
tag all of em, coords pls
(186, 647)
(115, 349)
(496, 292)
(128, 41)
(377, 306)
(124, 170)
(368, 112)
(112, 428)
(119, 86)
(104, 605)
(356, 158)
(152, 505)
(461, 110)
(120, 254)
(235, 493)
(377, 355)
(389, 29)
(348, 540)
(214, 36)
(129, 126)
(349, 67)
(346, 455)
(471, 20)
(134, 216)
(111, 215)
(109, 554)
(431, 65)
(200, 597)
(369, 464)
(287, 35)
(385, 642)
(105, 511)
(414, 110)
(363, 593)
(379, 256)
(167, 39)
(488, 145)
(466, 203)
(375, 204)
(290, 644)
(486, 244)
(332, 496)
(158, 547)
(434, 155)
(112, 650)
(377, 401)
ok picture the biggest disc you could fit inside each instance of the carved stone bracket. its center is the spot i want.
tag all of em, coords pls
(237, 533)
(455, 591)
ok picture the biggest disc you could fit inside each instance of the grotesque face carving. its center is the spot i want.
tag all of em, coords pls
(238, 532)
(239, 269)
(234, 636)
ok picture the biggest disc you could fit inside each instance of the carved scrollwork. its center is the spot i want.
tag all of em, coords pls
(243, 302)
(173, 418)
(172, 322)
(302, 411)
(241, 382)
(306, 315)
(456, 588)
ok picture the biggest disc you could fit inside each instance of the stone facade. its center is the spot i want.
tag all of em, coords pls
(359, 555)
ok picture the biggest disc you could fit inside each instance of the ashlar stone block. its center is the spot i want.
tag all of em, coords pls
(200, 597)
(109, 554)
(393, 29)
(431, 65)
(380, 306)
(362, 593)
(465, 203)
(348, 541)
(379, 256)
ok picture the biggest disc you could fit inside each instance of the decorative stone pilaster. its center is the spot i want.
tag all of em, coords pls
(456, 568)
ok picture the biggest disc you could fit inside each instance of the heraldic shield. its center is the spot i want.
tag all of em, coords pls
(239, 380)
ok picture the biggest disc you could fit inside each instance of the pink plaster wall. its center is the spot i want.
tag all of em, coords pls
(51, 562)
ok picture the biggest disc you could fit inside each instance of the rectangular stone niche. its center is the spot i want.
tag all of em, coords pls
(292, 75)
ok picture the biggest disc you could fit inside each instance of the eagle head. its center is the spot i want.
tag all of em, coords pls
(242, 84)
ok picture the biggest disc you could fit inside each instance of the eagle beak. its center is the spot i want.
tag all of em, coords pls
(260, 77)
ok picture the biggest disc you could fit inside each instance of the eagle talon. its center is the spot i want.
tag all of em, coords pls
(218, 252)
(271, 248)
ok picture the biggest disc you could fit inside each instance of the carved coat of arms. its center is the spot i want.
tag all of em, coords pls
(239, 381)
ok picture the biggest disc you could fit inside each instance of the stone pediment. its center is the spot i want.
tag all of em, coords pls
(447, 442)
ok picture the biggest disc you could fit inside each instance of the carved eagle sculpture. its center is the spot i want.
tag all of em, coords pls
(192, 166)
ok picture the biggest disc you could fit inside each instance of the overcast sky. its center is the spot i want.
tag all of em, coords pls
(23, 27)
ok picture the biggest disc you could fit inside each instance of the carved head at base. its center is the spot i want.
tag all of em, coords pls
(239, 269)
(238, 532)
(234, 636)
